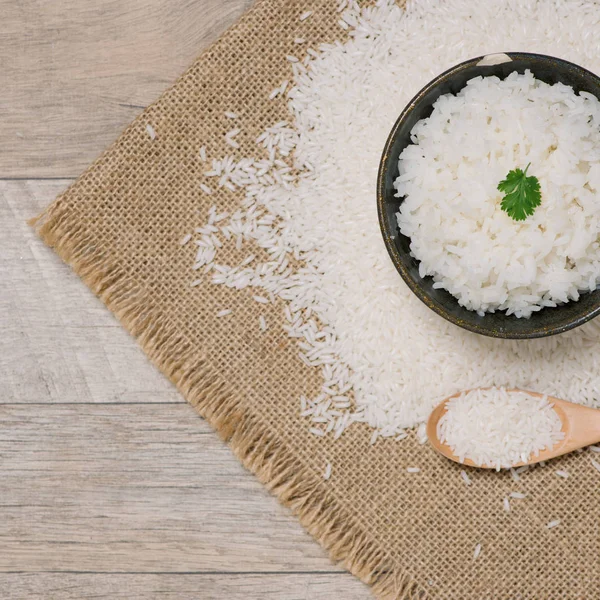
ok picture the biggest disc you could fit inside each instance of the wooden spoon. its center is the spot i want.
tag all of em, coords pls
(580, 424)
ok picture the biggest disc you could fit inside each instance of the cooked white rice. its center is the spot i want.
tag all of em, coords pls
(309, 214)
(499, 428)
(451, 211)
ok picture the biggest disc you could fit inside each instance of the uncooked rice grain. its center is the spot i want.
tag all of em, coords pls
(150, 131)
(422, 433)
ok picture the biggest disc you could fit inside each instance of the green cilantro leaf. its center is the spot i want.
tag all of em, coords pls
(521, 194)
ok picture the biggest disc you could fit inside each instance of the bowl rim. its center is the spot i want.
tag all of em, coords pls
(389, 242)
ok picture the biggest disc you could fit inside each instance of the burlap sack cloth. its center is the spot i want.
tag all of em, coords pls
(408, 535)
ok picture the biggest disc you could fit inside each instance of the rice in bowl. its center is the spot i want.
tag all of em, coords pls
(452, 206)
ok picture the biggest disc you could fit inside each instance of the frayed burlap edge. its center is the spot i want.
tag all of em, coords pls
(251, 441)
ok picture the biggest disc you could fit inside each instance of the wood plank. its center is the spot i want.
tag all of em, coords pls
(177, 587)
(59, 342)
(137, 488)
(75, 73)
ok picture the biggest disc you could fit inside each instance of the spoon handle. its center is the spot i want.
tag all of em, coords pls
(582, 425)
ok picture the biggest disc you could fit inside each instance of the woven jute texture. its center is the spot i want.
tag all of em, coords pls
(408, 535)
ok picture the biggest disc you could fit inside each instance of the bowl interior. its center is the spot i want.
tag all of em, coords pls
(548, 321)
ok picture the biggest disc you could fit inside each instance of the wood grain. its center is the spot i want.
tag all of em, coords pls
(140, 488)
(280, 586)
(74, 73)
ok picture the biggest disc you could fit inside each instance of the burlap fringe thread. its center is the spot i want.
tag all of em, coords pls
(252, 443)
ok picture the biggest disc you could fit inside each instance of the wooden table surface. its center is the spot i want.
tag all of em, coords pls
(110, 485)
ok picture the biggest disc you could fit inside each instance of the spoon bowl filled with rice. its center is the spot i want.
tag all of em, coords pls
(489, 195)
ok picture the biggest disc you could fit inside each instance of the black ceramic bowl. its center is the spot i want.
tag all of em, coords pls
(548, 321)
